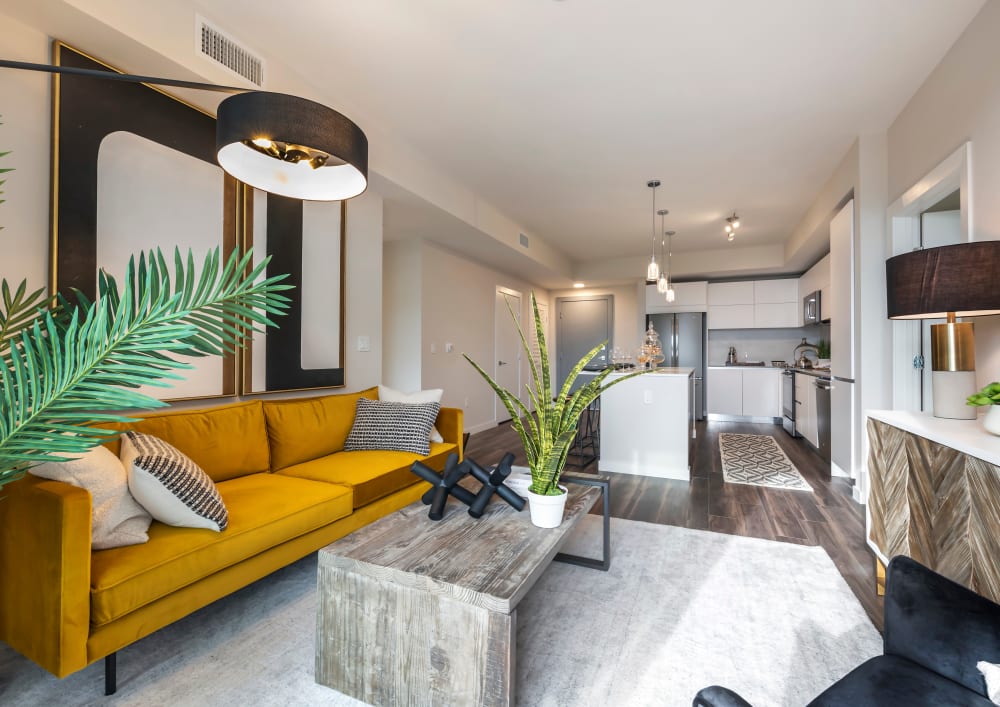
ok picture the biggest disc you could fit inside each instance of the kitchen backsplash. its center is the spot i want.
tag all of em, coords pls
(761, 344)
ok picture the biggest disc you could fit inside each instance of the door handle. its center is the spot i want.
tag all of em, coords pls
(501, 363)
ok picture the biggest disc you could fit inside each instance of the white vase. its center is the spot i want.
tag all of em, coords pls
(991, 423)
(547, 511)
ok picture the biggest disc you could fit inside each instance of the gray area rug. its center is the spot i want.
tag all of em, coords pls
(758, 460)
(680, 609)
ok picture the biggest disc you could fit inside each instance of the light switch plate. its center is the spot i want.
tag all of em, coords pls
(449, 347)
(647, 397)
(364, 343)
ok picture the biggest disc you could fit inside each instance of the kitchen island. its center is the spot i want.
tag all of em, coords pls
(647, 424)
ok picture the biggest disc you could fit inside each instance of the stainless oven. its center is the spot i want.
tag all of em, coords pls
(788, 401)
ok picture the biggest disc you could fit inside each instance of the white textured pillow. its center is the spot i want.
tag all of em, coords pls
(432, 395)
(991, 672)
(118, 520)
(174, 489)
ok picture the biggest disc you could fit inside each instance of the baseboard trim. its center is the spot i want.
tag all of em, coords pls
(482, 427)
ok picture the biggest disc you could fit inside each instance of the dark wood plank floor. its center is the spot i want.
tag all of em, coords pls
(829, 517)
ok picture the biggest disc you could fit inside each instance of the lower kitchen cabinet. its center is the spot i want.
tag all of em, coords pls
(747, 392)
(806, 421)
(725, 391)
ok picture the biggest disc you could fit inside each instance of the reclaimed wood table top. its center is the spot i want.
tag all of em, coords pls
(489, 562)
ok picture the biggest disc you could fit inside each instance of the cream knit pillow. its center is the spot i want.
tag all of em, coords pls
(431, 395)
(117, 518)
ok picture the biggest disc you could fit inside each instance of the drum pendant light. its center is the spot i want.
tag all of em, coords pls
(291, 146)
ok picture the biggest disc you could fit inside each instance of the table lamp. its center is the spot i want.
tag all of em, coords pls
(950, 281)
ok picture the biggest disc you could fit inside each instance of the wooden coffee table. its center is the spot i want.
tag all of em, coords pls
(413, 612)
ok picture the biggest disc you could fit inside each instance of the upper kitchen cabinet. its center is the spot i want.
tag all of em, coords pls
(817, 279)
(760, 304)
(688, 297)
(730, 305)
(776, 303)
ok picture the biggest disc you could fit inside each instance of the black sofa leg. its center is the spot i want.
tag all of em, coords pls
(110, 674)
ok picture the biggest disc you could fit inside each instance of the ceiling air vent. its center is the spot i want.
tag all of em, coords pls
(524, 240)
(223, 49)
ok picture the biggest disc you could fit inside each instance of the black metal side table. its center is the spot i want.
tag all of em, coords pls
(604, 483)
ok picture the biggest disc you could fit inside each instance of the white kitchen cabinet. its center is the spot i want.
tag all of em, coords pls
(744, 391)
(776, 315)
(725, 391)
(806, 422)
(688, 297)
(845, 427)
(775, 291)
(816, 278)
(730, 316)
(730, 293)
(762, 392)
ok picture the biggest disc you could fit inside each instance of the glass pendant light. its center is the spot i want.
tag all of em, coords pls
(662, 284)
(653, 269)
(732, 223)
(670, 294)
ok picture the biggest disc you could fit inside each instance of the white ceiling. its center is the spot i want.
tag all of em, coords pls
(557, 113)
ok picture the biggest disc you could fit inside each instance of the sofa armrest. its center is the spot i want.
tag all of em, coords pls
(716, 696)
(45, 572)
(450, 423)
(939, 624)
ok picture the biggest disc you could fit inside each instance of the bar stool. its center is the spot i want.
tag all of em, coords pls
(586, 446)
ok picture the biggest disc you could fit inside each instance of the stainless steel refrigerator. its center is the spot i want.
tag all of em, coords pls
(682, 337)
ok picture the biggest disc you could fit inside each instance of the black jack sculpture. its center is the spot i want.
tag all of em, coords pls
(446, 482)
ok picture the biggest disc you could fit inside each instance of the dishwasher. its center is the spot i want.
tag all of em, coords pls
(823, 387)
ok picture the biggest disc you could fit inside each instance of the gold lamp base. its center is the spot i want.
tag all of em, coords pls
(953, 364)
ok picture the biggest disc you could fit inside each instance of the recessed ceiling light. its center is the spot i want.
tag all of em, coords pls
(578, 285)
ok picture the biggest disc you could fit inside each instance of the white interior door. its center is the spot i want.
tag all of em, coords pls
(507, 347)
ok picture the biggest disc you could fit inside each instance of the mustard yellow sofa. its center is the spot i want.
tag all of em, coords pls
(289, 488)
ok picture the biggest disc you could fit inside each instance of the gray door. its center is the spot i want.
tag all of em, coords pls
(581, 324)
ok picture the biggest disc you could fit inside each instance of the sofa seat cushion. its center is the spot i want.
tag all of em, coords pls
(265, 510)
(371, 474)
(890, 680)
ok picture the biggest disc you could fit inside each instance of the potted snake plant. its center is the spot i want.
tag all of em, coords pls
(548, 434)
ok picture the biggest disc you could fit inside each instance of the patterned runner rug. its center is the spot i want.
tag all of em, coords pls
(758, 460)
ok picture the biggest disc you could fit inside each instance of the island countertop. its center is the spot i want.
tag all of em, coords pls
(665, 371)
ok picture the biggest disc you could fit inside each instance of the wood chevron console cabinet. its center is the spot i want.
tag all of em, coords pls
(935, 503)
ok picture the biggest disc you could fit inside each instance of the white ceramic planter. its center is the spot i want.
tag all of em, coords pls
(991, 423)
(547, 511)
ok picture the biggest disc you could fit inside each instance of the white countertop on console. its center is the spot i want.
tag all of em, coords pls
(966, 436)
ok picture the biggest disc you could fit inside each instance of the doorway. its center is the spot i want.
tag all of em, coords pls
(507, 348)
(581, 324)
(914, 222)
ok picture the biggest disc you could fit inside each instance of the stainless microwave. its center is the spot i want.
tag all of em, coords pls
(811, 308)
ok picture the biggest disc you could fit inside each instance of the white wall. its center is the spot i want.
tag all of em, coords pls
(363, 290)
(24, 112)
(959, 101)
(402, 283)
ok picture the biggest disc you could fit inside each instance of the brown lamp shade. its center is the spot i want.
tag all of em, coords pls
(930, 283)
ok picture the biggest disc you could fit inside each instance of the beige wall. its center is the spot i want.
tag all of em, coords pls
(959, 101)
(402, 282)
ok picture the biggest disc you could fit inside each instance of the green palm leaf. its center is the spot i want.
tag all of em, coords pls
(64, 370)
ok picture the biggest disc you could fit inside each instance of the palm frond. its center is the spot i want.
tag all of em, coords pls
(66, 370)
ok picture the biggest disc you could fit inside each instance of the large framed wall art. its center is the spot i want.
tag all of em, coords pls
(134, 168)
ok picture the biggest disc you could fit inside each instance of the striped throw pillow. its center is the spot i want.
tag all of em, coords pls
(379, 424)
(170, 485)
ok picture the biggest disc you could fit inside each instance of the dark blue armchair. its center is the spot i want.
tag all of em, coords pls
(935, 633)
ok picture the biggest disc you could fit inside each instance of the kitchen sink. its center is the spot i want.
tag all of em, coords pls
(746, 363)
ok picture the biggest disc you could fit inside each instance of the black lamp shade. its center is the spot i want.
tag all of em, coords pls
(930, 283)
(279, 118)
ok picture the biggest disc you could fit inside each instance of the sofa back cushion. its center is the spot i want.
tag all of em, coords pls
(309, 428)
(226, 441)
